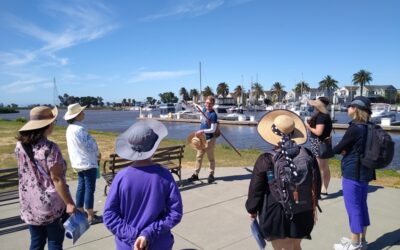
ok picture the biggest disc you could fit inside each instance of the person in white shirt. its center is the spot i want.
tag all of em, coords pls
(84, 156)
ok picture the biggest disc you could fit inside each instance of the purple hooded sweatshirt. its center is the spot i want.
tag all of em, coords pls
(143, 201)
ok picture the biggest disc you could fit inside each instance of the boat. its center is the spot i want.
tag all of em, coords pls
(150, 108)
(167, 110)
(382, 110)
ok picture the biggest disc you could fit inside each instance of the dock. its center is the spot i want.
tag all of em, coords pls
(337, 126)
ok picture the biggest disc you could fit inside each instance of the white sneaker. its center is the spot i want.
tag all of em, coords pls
(345, 240)
(346, 246)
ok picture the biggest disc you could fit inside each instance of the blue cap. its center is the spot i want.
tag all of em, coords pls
(361, 102)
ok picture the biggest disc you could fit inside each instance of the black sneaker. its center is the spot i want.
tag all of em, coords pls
(211, 178)
(194, 177)
(96, 220)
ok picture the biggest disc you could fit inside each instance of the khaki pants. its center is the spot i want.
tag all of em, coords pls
(210, 154)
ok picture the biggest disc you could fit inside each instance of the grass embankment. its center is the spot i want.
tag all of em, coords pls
(225, 156)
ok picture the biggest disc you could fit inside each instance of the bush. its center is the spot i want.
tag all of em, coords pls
(21, 120)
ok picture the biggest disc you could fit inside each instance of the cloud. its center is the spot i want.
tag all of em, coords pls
(78, 23)
(159, 75)
(25, 86)
(190, 8)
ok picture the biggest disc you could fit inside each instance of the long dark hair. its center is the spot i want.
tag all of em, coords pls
(31, 136)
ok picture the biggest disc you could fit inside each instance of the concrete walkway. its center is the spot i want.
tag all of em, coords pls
(215, 218)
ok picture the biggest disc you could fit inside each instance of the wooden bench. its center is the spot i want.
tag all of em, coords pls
(9, 183)
(8, 196)
(170, 157)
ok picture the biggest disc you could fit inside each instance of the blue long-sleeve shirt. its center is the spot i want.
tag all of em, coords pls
(143, 201)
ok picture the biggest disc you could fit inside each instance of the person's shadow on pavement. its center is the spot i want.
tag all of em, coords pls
(386, 240)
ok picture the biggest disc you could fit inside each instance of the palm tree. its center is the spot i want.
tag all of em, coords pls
(300, 87)
(184, 94)
(329, 85)
(194, 94)
(223, 89)
(362, 77)
(207, 91)
(277, 89)
(238, 92)
(257, 90)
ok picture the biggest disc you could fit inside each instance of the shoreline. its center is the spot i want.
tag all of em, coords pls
(225, 156)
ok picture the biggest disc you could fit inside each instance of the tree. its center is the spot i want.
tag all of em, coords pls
(151, 100)
(257, 90)
(207, 91)
(361, 78)
(277, 89)
(222, 89)
(238, 93)
(184, 94)
(301, 87)
(194, 94)
(168, 97)
(329, 85)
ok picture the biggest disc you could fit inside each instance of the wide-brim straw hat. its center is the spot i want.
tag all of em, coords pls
(40, 117)
(319, 105)
(287, 122)
(197, 142)
(73, 111)
(141, 140)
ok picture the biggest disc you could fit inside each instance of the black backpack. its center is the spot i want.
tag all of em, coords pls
(379, 148)
(299, 193)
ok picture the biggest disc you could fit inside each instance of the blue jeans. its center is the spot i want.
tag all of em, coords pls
(86, 188)
(53, 232)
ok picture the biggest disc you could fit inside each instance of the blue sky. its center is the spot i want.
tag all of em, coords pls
(135, 49)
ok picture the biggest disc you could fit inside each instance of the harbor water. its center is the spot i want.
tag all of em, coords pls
(242, 137)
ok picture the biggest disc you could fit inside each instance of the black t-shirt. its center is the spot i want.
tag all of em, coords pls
(327, 121)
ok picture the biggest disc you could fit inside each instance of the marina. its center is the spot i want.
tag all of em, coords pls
(242, 136)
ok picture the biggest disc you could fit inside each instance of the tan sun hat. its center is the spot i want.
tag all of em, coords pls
(319, 105)
(40, 117)
(197, 142)
(287, 122)
(73, 111)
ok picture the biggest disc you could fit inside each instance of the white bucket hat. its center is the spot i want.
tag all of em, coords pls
(141, 140)
(73, 111)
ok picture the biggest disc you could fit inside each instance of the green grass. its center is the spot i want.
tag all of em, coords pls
(225, 156)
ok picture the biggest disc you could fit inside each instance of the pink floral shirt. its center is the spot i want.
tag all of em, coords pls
(40, 203)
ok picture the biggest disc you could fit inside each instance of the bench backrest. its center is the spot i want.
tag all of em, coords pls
(162, 155)
(168, 154)
(8, 177)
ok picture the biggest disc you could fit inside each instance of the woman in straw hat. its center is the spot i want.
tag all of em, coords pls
(144, 202)
(355, 176)
(320, 127)
(43, 192)
(84, 156)
(285, 131)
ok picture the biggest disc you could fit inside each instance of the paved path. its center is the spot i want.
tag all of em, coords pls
(215, 218)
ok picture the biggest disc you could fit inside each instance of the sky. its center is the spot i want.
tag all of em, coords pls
(138, 49)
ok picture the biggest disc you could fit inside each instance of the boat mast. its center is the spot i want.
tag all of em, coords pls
(201, 95)
(55, 92)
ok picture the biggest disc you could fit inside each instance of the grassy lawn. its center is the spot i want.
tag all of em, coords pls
(225, 156)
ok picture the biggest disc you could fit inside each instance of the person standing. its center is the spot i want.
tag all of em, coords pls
(282, 220)
(208, 126)
(144, 202)
(355, 177)
(84, 156)
(43, 193)
(320, 127)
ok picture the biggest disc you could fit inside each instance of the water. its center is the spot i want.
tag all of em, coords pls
(242, 137)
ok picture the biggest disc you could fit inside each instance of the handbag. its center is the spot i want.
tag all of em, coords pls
(325, 148)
